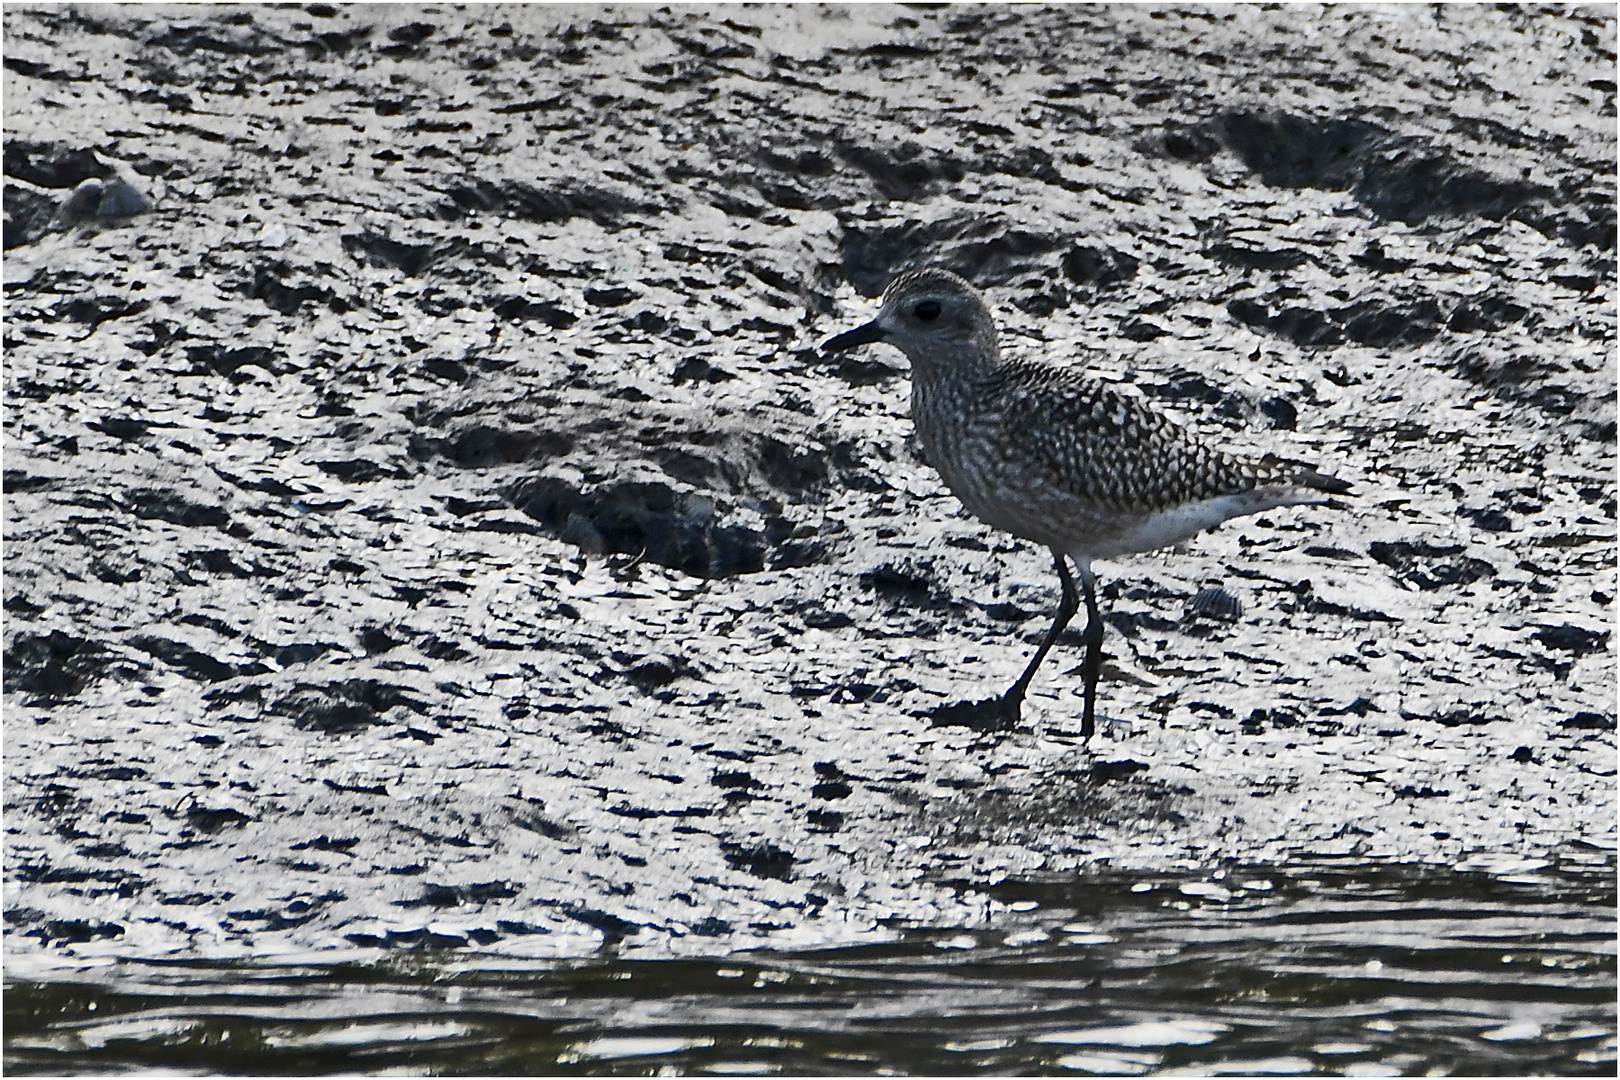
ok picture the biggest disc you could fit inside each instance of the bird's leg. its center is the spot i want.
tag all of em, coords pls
(1091, 666)
(1066, 609)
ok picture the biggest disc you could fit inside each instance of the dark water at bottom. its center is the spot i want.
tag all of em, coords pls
(1362, 970)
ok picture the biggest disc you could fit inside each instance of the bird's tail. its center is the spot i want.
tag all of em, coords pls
(1296, 487)
(1316, 481)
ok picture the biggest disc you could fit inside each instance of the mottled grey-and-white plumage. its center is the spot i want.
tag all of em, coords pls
(1048, 454)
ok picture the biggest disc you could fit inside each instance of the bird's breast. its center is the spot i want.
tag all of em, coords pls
(964, 438)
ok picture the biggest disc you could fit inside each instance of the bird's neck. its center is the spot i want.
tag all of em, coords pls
(946, 391)
(968, 360)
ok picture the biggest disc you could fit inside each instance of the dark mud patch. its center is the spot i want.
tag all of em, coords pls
(1398, 176)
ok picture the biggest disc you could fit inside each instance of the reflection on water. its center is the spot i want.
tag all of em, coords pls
(1505, 967)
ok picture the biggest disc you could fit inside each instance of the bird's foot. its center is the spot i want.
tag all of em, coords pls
(1108, 728)
(995, 714)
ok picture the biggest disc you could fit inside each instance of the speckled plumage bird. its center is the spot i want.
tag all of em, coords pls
(1050, 455)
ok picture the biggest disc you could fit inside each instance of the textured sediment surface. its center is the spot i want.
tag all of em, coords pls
(432, 522)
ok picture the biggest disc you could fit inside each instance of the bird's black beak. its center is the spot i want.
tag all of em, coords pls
(861, 335)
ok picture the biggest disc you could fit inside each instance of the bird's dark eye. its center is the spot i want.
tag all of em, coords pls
(927, 310)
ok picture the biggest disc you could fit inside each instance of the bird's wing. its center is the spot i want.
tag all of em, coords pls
(1110, 449)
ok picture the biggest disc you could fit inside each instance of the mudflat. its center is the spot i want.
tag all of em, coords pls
(432, 523)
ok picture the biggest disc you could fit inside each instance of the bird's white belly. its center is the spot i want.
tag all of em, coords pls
(1162, 528)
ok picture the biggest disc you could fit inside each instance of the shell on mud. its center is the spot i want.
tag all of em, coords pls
(1214, 603)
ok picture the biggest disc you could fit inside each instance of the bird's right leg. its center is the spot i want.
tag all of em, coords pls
(1091, 666)
(1067, 606)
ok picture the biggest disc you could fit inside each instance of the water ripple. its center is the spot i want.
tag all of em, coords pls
(1358, 970)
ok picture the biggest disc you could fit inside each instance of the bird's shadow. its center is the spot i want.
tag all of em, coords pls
(989, 715)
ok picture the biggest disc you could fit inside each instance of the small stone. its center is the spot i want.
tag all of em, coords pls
(95, 198)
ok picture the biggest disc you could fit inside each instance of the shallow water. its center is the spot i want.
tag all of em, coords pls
(1501, 966)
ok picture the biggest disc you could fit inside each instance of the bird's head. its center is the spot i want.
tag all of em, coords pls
(936, 318)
